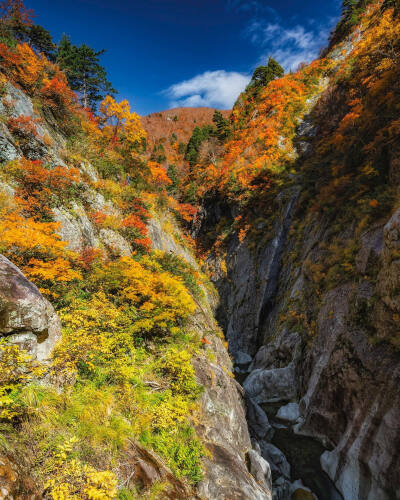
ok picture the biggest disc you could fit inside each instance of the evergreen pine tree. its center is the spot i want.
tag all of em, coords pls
(84, 72)
(199, 135)
(222, 125)
(265, 74)
(41, 40)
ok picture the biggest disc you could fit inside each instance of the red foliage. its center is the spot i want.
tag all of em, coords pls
(88, 256)
(25, 125)
(133, 221)
(145, 243)
(57, 92)
(98, 217)
(186, 211)
(12, 11)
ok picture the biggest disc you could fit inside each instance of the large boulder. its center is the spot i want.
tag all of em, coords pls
(26, 317)
(271, 386)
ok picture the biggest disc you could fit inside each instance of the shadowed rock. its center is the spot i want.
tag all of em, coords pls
(26, 317)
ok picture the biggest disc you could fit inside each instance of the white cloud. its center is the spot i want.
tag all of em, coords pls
(216, 89)
(289, 45)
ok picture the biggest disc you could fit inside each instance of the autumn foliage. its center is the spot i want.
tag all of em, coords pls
(360, 139)
(37, 76)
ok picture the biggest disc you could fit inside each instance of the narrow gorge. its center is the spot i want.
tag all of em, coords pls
(202, 304)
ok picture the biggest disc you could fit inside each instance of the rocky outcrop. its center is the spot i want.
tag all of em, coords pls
(233, 469)
(15, 104)
(115, 243)
(141, 468)
(248, 292)
(26, 317)
(340, 387)
(165, 241)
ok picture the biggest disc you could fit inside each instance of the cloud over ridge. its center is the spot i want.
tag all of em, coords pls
(288, 45)
(216, 89)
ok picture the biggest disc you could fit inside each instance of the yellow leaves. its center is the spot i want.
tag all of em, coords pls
(97, 330)
(94, 331)
(101, 485)
(29, 235)
(56, 270)
(73, 480)
(177, 365)
(369, 171)
(162, 298)
(17, 368)
(172, 412)
(122, 122)
(384, 65)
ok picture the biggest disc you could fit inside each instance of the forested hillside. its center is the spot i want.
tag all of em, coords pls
(136, 253)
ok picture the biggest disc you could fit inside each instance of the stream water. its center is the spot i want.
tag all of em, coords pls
(303, 454)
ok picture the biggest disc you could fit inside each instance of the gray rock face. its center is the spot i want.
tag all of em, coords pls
(276, 459)
(8, 150)
(228, 473)
(115, 243)
(26, 317)
(347, 382)
(243, 360)
(260, 469)
(223, 426)
(97, 202)
(289, 413)
(248, 293)
(17, 104)
(257, 421)
(162, 240)
(271, 386)
(75, 228)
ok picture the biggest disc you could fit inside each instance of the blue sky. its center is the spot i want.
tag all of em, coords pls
(166, 53)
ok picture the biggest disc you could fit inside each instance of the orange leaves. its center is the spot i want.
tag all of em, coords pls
(29, 235)
(133, 221)
(365, 124)
(158, 174)
(57, 92)
(23, 65)
(98, 217)
(36, 248)
(374, 203)
(37, 75)
(350, 119)
(38, 184)
(58, 270)
(186, 211)
(145, 243)
(263, 130)
(32, 66)
(88, 257)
